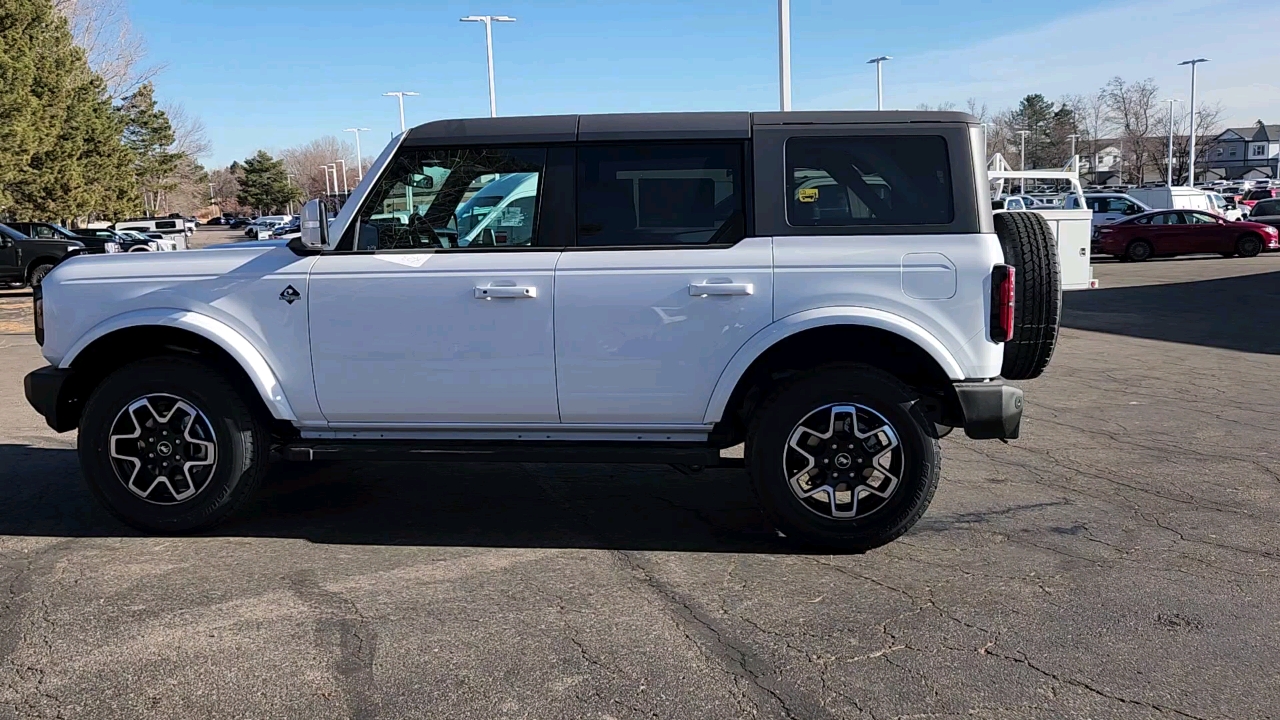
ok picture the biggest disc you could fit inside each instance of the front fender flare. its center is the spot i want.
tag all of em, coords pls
(819, 317)
(253, 363)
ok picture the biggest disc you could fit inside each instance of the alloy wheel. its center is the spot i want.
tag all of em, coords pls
(163, 449)
(843, 461)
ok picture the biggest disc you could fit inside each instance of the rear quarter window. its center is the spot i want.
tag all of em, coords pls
(166, 224)
(878, 180)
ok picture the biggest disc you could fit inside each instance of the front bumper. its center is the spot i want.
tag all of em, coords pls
(991, 409)
(47, 391)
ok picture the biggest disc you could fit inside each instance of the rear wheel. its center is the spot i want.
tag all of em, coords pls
(840, 458)
(1138, 251)
(1029, 246)
(170, 446)
(1248, 246)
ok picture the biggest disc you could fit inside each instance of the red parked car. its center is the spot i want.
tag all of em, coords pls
(1253, 196)
(1182, 232)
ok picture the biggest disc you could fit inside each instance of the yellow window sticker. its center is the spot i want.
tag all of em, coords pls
(808, 194)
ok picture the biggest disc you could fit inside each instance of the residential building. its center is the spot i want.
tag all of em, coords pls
(1246, 153)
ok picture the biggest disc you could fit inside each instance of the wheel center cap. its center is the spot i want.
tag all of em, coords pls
(843, 461)
(164, 448)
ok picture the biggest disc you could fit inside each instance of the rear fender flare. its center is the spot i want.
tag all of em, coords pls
(820, 317)
(255, 366)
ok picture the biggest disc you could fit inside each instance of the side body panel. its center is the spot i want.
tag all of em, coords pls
(230, 295)
(870, 271)
(406, 338)
(634, 344)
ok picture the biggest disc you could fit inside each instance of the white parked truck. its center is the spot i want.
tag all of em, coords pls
(830, 288)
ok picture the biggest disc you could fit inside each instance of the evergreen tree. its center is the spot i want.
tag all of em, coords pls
(264, 183)
(149, 137)
(60, 142)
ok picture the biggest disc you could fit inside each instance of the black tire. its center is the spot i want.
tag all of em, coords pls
(1030, 247)
(1248, 246)
(37, 273)
(240, 453)
(1138, 251)
(768, 450)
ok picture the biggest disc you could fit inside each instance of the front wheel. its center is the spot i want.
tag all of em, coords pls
(1248, 246)
(170, 446)
(37, 274)
(843, 457)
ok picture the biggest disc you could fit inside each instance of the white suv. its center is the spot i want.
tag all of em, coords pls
(829, 288)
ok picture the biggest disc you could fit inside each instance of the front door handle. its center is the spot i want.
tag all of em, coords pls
(505, 291)
(704, 289)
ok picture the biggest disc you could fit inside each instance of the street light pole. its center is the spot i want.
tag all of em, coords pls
(344, 174)
(488, 21)
(1191, 159)
(1169, 174)
(784, 55)
(359, 159)
(1022, 158)
(400, 95)
(325, 168)
(333, 168)
(878, 62)
(211, 201)
(1073, 137)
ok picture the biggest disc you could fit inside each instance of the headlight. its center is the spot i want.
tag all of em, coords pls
(111, 247)
(72, 248)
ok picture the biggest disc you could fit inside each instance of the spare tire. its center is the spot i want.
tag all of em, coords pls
(1031, 249)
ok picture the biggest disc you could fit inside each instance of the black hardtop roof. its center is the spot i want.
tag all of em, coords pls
(652, 126)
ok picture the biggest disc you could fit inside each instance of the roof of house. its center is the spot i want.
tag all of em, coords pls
(1256, 132)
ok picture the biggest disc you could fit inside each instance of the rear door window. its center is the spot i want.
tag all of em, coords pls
(166, 224)
(660, 194)
(880, 180)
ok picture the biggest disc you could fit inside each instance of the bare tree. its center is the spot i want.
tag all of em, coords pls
(977, 109)
(303, 163)
(942, 106)
(102, 29)
(1135, 109)
(1094, 114)
(1208, 126)
(189, 136)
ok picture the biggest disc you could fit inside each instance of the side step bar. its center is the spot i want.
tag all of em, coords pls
(688, 455)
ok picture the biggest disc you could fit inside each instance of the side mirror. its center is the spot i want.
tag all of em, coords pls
(314, 224)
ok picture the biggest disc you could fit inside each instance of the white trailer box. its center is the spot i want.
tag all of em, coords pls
(1072, 228)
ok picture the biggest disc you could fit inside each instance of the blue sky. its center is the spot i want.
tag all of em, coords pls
(275, 73)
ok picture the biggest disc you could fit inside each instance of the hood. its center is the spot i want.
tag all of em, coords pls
(248, 244)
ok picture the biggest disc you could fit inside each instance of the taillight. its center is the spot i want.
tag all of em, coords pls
(37, 312)
(1002, 298)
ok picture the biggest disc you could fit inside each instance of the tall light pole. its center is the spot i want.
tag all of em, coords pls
(325, 168)
(1191, 159)
(211, 201)
(344, 174)
(488, 21)
(289, 177)
(400, 95)
(878, 62)
(1169, 174)
(1022, 158)
(333, 168)
(359, 159)
(784, 55)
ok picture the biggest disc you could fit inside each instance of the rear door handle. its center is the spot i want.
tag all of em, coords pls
(704, 289)
(505, 291)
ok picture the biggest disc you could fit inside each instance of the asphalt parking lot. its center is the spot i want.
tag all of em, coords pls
(1121, 560)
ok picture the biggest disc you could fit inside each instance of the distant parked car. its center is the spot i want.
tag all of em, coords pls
(172, 228)
(1009, 203)
(1107, 207)
(53, 231)
(239, 223)
(26, 260)
(1253, 196)
(1267, 212)
(1164, 233)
